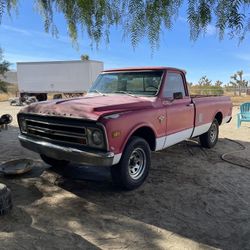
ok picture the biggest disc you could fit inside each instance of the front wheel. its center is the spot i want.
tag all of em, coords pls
(210, 138)
(133, 168)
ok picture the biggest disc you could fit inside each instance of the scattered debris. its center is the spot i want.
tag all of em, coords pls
(16, 101)
(57, 96)
(16, 167)
(21, 101)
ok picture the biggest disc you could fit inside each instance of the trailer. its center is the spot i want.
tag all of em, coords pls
(66, 77)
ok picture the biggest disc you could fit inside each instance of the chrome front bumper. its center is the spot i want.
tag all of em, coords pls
(67, 153)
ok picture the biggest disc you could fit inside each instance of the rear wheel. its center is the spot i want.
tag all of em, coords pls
(54, 162)
(210, 138)
(133, 167)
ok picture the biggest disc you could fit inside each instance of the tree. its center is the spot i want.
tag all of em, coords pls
(85, 57)
(218, 83)
(4, 67)
(205, 87)
(238, 82)
(204, 81)
(139, 18)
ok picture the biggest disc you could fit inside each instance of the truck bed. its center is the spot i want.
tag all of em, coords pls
(207, 108)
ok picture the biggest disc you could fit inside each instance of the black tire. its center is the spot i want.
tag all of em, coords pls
(210, 138)
(6, 118)
(54, 162)
(128, 174)
(5, 200)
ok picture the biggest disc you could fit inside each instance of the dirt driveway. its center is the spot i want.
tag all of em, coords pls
(191, 200)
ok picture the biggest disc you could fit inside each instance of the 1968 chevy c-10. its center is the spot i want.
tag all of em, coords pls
(126, 114)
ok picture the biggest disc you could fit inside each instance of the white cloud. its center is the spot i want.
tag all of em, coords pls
(17, 30)
(16, 57)
(25, 32)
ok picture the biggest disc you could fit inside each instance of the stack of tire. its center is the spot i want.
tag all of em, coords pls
(5, 199)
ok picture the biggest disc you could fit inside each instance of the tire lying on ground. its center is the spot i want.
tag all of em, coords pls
(5, 199)
(6, 119)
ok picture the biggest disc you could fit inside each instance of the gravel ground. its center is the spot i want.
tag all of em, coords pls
(191, 200)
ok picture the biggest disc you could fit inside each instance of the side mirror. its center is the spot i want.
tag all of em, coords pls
(178, 95)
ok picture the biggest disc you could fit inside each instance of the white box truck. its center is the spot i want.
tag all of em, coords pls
(69, 77)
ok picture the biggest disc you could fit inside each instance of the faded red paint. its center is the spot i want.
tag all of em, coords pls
(90, 107)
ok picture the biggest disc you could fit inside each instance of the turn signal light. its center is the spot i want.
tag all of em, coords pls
(116, 134)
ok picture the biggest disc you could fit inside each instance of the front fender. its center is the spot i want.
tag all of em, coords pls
(134, 129)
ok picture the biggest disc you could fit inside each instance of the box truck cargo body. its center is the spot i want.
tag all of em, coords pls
(57, 77)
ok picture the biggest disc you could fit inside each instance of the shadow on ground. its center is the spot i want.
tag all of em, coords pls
(190, 191)
(17, 229)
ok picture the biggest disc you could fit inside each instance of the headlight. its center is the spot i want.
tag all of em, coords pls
(23, 125)
(97, 137)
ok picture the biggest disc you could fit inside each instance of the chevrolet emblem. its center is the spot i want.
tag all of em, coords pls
(161, 118)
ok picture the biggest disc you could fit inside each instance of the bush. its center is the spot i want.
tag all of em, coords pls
(3, 87)
(206, 90)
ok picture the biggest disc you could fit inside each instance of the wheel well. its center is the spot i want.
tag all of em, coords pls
(147, 134)
(218, 117)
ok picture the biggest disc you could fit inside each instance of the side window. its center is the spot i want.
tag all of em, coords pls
(174, 83)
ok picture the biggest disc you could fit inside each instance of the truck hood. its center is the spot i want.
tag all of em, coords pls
(90, 107)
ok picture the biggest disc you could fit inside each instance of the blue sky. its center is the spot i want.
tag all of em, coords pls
(23, 38)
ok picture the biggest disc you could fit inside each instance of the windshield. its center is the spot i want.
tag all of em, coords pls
(144, 83)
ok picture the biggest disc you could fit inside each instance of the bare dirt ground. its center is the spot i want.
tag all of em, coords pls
(191, 200)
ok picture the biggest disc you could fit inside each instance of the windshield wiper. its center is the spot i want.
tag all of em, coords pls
(125, 92)
(97, 91)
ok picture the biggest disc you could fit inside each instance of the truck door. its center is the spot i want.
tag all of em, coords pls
(179, 112)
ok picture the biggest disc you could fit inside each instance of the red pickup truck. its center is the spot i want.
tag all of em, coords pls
(127, 114)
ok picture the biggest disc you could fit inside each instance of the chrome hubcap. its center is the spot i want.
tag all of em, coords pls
(213, 132)
(137, 163)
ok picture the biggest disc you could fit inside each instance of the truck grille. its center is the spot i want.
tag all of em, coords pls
(57, 131)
